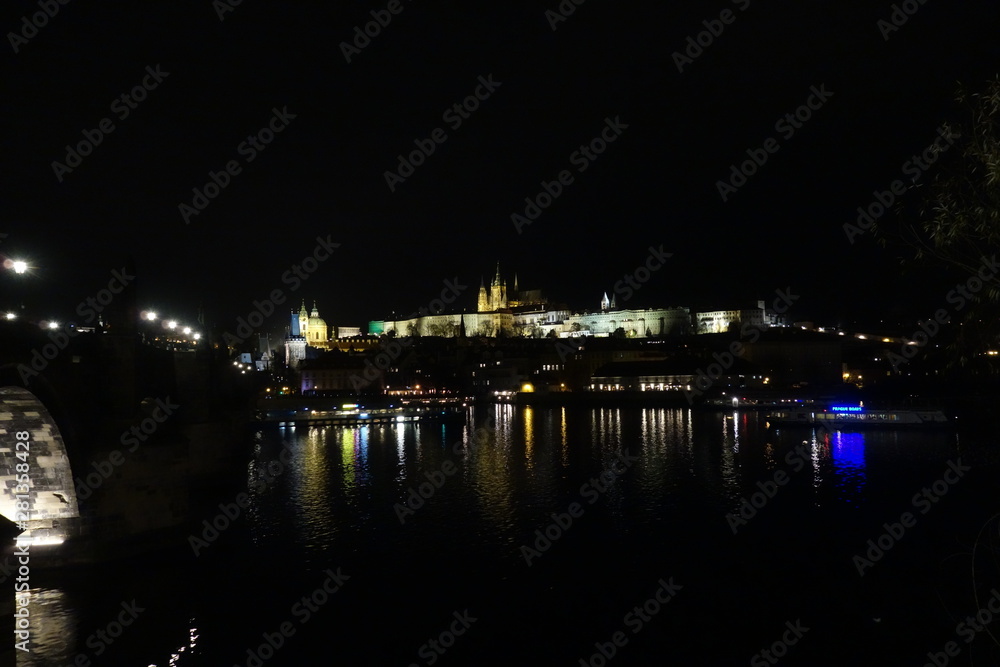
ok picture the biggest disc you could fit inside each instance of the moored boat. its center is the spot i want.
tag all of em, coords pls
(856, 416)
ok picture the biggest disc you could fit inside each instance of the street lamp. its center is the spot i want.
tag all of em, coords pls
(19, 265)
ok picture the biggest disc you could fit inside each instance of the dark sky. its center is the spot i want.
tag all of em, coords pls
(324, 173)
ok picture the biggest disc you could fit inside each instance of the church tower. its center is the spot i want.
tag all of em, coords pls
(303, 320)
(498, 292)
(295, 344)
(484, 299)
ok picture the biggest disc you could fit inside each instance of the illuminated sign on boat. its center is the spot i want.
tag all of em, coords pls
(846, 408)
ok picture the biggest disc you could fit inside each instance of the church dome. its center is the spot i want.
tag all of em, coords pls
(315, 320)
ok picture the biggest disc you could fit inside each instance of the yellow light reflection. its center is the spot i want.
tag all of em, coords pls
(564, 434)
(529, 437)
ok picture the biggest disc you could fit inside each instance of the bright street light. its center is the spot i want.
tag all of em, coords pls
(19, 265)
(171, 324)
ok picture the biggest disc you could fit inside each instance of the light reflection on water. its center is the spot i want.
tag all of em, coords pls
(848, 453)
(337, 490)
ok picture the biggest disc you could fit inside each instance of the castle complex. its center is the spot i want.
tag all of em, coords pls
(518, 313)
(528, 313)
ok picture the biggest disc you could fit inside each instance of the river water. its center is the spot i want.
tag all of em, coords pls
(651, 564)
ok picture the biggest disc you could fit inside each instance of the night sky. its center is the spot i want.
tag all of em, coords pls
(323, 174)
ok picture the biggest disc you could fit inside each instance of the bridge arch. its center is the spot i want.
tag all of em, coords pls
(51, 500)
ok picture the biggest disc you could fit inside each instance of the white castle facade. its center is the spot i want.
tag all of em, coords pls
(719, 321)
(516, 312)
(528, 313)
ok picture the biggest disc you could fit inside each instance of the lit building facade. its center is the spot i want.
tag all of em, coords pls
(719, 321)
(517, 312)
(307, 329)
(635, 323)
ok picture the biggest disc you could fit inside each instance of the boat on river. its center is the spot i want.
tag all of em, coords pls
(855, 416)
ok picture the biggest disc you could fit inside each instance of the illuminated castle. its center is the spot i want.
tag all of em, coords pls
(497, 297)
(500, 312)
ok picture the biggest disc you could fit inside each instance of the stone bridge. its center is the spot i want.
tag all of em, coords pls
(77, 399)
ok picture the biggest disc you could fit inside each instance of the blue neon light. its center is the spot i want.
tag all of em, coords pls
(846, 408)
